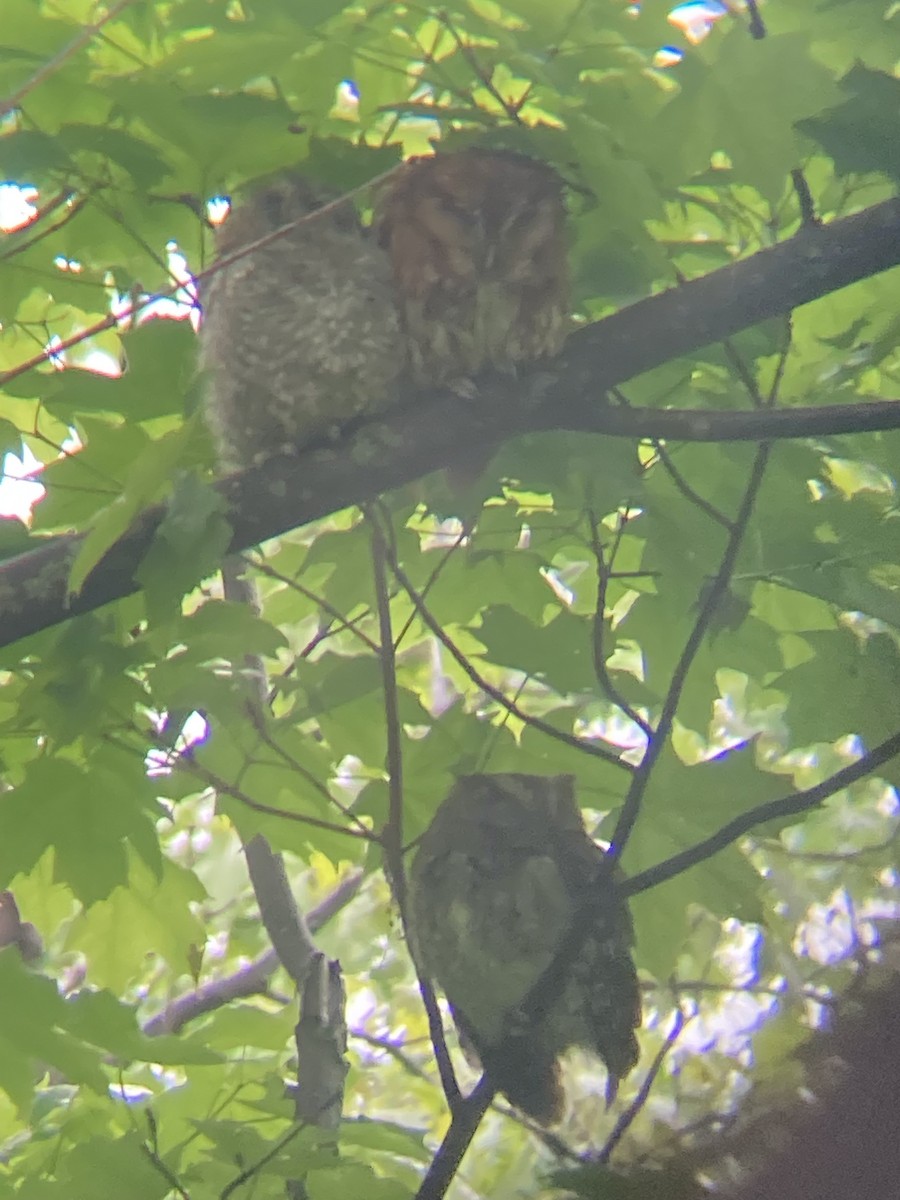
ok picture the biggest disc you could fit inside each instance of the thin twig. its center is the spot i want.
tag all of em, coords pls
(510, 108)
(781, 365)
(305, 773)
(46, 69)
(686, 490)
(220, 785)
(341, 621)
(397, 1053)
(714, 595)
(245, 1175)
(391, 836)
(773, 810)
(150, 1148)
(628, 1116)
(673, 472)
(220, 264)
(19, 241)
(804, 199)
(742, 371)
(432, 580)
(757, 25)
(582, 744)
(599, 625)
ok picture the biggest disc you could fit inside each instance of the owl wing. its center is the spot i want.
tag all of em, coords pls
(485, 934)
(604, 981)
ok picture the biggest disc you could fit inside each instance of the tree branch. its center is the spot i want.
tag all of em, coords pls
(248, 980)
(713, 596)
(426, 433)
(466, 1119)
(51, 65)
(392, 834)
(583, 744)
(773, 810)
(627, 1118)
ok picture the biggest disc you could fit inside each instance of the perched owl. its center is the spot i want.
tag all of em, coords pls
(477, 243)
(497, 880)
(301, 337)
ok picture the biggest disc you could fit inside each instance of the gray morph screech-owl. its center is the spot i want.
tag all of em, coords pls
(299, 337)
(500, 876)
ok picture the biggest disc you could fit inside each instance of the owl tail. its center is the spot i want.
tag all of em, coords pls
(529, 1078)
(520, 1068)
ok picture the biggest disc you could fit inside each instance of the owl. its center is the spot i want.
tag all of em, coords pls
(301, 337)
(476, 240)
(497, 880)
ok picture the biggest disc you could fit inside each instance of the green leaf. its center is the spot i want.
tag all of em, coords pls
(88, 818)
(36, 1029)
(863, 133)
(102, 1163)
(149, 479)
(559, 654)
(188, 545)
(99, 1018)
(149, 915)
(845, 687)
(727, 103)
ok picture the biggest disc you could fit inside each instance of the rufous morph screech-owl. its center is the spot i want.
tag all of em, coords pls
(476, 239)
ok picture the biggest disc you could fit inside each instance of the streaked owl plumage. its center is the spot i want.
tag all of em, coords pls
(477, 243)
(300, 337)
(497, 880)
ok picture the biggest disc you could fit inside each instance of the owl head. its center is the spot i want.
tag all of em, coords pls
(506, 810)
(287, 201)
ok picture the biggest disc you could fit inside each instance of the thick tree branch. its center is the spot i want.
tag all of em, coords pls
(426, 433)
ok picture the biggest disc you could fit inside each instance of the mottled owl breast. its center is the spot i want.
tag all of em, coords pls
(500, 877)
(300, 337)
(476, 240)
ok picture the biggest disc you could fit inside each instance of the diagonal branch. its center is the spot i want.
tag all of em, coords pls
(51, 65)
(626, 1120)
(466, 1119)
(772, 810)
(248, 980)
(426, 433)
(713, 597)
